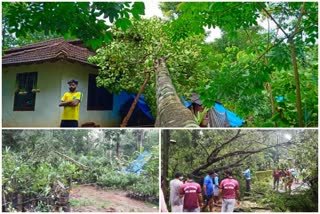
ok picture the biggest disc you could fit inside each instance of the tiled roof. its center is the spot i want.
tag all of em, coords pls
(47, 51)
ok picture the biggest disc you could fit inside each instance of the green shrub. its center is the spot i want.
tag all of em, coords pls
(117, 179)
(306, 201)
(151, 189)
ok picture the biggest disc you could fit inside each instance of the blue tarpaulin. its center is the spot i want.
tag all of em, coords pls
(186, 103)
(141, 104)
(235, 121)
(137, 165)
(279, 98)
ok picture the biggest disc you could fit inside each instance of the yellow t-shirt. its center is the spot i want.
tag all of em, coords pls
(71, 112)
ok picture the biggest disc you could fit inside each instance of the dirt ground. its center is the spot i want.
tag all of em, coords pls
(90, 199)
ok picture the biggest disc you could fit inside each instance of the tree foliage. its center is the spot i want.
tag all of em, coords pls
(84, 20)
(200, 151)
(125, 62)
(247, 58)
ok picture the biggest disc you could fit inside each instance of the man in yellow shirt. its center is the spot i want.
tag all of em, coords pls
(71, 103)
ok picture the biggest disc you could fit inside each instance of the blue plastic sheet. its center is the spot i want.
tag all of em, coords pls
(141, 103)
(279, 98)
(137, 165)
(185, 102)
(235, 121)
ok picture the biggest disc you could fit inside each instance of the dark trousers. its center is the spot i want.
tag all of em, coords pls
(276, 183)
(69, 123)
(248, 188)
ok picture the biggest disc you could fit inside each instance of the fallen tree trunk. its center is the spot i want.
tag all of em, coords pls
(71, 160)
(170, 111)
(133, 106)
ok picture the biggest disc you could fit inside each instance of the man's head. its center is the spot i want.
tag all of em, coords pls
(73, 84)
(211, 173)
(190, 177)
(179, 176)
(228, 173)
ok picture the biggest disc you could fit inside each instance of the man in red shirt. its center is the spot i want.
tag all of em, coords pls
(191, 191)
(229, 189)
(276, 178)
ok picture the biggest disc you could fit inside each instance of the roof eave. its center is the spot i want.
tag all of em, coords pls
(48, 60)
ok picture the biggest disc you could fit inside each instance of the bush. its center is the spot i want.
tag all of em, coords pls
(306, 201)
(40, 182)
(117, 180)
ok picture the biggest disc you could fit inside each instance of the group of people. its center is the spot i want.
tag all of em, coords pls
(286, 176)
(188, 196)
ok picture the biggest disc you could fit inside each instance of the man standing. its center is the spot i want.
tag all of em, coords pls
(175, 200)
(288, 181)
(229, 189)
(71, 103)
(276, 178)
(208, 190)
(216, 188)
(191, 191)
(247, 175)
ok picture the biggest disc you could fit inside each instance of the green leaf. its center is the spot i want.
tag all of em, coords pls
(123, 23)
(138, 9)
(108, 37)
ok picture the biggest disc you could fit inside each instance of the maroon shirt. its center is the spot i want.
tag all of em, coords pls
(190, 190)
(276, 174)
(229, 187)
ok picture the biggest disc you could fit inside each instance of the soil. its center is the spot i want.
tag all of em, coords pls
(85, 198)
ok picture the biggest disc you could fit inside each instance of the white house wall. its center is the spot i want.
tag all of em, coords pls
(52, 82)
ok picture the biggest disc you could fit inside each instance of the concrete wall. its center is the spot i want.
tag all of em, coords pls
(52, 81)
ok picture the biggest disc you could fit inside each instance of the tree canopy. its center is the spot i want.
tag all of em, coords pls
(90, 22)
(125, 62)
(197, 151)
(243, 78)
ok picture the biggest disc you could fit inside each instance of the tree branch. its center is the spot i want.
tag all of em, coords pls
(278, 25)
(202, 146)
(302, 12)
(295, 67)
(251, 41)
(279, 42)
(216, 151)
(235, 164)
(242, 152)
(236, 153)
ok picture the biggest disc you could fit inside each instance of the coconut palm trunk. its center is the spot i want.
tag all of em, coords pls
(170, 111)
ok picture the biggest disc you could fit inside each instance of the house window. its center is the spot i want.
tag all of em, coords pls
(98, 98)
(24, 97)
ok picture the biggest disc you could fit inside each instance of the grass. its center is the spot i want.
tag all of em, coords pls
(81, 202)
